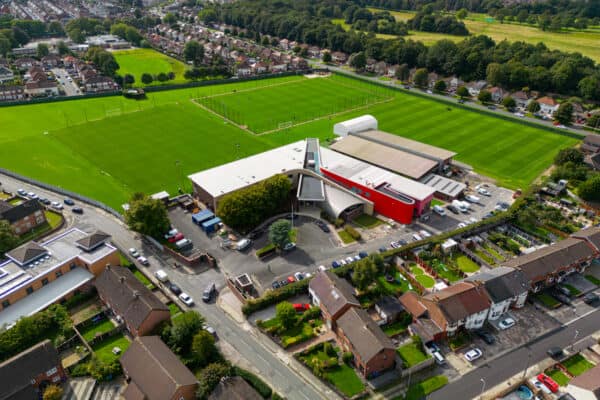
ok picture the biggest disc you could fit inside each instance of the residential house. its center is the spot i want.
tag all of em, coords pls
(455, 83)
(586, 386)
(593, 160)
(591, 235)
(12, 93)
(153, 372)
(370, 67)
(497, 94)
(314, 51)
(299, 63)
(334, 295)
(260, 67)
(389, 309)
(36, 275)
(391, 71)
(234, 388)
(25, 375)
(506, 287)
(284, 44)
(24, 63)
(373, 351)
(6, 75)
(549, 265)
(442, 313)
(591, 143)
(243, 69)
(23, 217)
(476, 87)
(36, 73)
(432, 78)
(279, 67)
(41, 88)
(51, 60)
(339, 57)
(380, 68)
(129, 299)
(99, 84)
(548, 105)
(521, 99)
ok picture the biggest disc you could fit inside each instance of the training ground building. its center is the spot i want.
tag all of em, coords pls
(342, 185)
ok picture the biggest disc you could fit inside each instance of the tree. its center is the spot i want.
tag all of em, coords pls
(193, 51)
(403, 72)
(358, 61)
(564, 114)
(533, 107)
(509, 103)
(484, 96)
(169, 18)
(364, 273)
(589, 87)
(590, 189)
(128, 79)
(208, 15)
(147, 78)
(8, 240)
(42, 50)
(203, 348)
(53, 392)
(62, 48)
(440, 86)
(286, 314)
(569, 154)
(147, 215)
(5, 45)
(462, 92)
(162, 77)
(420, 77)
(462, 13)
(210, 376)
(279, 232)
(326, 57)
(180, 334)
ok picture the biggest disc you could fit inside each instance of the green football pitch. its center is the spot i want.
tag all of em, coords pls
(139, 61)
(109, 147)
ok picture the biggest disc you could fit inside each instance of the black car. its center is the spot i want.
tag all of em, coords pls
(453, 209)
(323, 226)
(563, 290)
(69, 202)
(555, 352)
(591, 298)
(402, 242)
(45, 201)
(176, 290)
(486, 336)
(382, 249)
(77, 210)
(275, 285)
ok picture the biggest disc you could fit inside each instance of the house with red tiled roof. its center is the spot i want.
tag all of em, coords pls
(548, 105)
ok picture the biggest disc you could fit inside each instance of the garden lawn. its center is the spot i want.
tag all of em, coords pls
(547, 300)
(107, 148)
(493, 252)
(574, 291)
(420, 276)
(138, 61)
(484, 256)
(345, 236)
(90, 331)
(346, 380)
(593, 279)
(577, 364)
(420, 390)
(299, 333)
(396, 287)
(174, 309)
(54, 219)
(395, 328)
(367, 221)
(465, 264)
(142, 278)
(444, 271)
(558, 376)
(411, 354)
(103, 349)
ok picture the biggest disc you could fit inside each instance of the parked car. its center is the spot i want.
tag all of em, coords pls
(555, 352)
(461, 225)
(301, 307)
(69, 202)
(45, 201)
(349, 260)
(186, 299)
(473, 354)
(416, 237)
(402, 242)
(323, 226)
(549, 382)
(591, 298)
(335, 264)
(486, 336)
(382, 249)
(77, 210)
(210, 330)
(472, 199)
(289, 246)
(275, 285)
(561, 297)
(134, 253)
(171, 233)
(507, 323)
(176, 290)
(176, 238)
(32, 195)
(394, 245)
(433, 347)
(291, 279)
(299, 276)
(484, 192)
(563, 290)
(439, 210)
(424, 233)
(243, 244)
(363, 254)
(22, 192)
(208, 292)
(143, 260)
(322, 268)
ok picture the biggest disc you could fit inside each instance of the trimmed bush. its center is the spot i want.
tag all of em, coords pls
(261, 387)
(352, 232)
(265, 251)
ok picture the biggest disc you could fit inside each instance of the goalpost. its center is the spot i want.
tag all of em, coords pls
(284, 125)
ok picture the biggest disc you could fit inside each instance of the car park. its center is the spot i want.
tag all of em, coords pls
(591, 298)
(473, 354)
(506, 323)
(176, 290)
(69, 202)
(77, 210)
(143, 260)
(208, 292)
(134, 253)
(486, 336)
(186, 299)
(549, 382)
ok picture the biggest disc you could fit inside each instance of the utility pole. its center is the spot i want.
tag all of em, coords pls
(574, 339)
(482, 388)
(528, 363)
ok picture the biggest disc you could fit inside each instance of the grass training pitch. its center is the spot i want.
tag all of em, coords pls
(138, 61)
(107, 148)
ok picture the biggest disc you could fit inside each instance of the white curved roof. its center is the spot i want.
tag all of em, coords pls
(359, 124)
(338, 200)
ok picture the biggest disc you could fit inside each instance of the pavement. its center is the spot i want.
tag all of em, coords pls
(287, 376)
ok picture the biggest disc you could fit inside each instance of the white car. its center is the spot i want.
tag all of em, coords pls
(22, 192)
(322, 268)
(473, 354)
(439, 210)
(473, 220)
(472, 199)
(424, 233)
(32, 195)
(143, 260)
(520, 115)
(395, 245)
(186, 299)
(56, 205)
(171, 233)
(462, 225)
(349, 260)
(134, 253)
(507, 323)
(484, 191)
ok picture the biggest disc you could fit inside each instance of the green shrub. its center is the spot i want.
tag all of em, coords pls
(275, 396)
(328, 349)
(80, 369)
(347, 357)
(352, 232)
(275, 296)
(311, 314)
(268, 249)
(261, 387)
(338, 222)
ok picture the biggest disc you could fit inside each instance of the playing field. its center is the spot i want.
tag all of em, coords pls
(586, 42)
(139, 61)
(109, 147)
(294, 102)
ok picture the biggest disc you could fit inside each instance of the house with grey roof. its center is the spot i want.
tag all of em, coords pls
(234, 388)
(333, 295)
(23, 217)
(127, 297)
(506, 287)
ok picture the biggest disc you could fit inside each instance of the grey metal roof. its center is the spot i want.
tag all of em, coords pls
(406, 144)
(443, 185)
(310, 189)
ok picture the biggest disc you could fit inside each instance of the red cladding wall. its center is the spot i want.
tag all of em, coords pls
(384, 204)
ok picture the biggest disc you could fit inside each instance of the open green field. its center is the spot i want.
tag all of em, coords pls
(138, 61)
(107, 148)
(585, 42)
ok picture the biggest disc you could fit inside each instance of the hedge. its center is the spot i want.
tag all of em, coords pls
(354, 234)
(261, 387)
(275, 296)
(268, 249)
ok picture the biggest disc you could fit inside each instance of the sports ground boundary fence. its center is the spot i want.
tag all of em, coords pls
(416, 93)
(64, 192)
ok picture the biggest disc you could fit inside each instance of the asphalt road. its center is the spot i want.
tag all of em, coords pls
(502, 368)
(274, 365)
(70, 87)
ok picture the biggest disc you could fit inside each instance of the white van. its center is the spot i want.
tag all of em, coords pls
(439, 358)
(161, 275)
(461, 205)
(472, 199)
(439, 210)
(416, 237)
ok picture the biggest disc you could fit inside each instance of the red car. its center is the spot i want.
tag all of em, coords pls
(291, 279)
(176, 238)
(299, 307)
(549, 382)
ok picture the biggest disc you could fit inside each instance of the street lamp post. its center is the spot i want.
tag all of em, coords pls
(574, 339)
(527, 365)
(482, 388)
